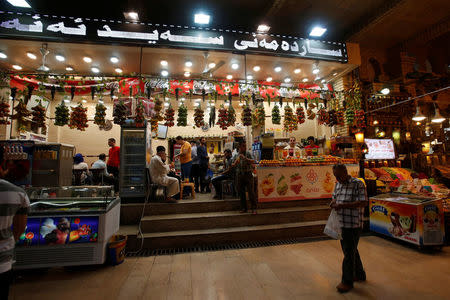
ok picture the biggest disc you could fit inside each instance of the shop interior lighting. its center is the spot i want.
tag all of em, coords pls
(67, 100)
(69, 69)
(335, 73)
(287, 80)
(166, 104)
(305, 80)
(249, 77)
(418, 123)
(87, 59)
(131, 15)
(114, 59)
(263, 28)
(269, 79)
(101, 101)
(438, 118)
(19, 3)
(3, 55)
(418, 116)
(182, 98)
(323, 80)
(277, 69)
(202, 18)
(317, 31)
(235, 66)
(17, 67)
(164, 63)
(375, 122)
(31, 55)
(188, 64)
(95, 69)
(385, 91)
(296, 71)
(241, 104)
(187, 74)
(164, 73)
(60, 58)
(315, 70)
(84, 100)
(212, 65)
(317, 78)
(229, 77)
(256, 68)
(118, 70)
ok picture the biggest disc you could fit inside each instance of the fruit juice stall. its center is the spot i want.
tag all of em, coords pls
(299, 179)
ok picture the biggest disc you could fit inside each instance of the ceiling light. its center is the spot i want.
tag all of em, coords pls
(60, 58)
(19, 3)
(3, 55)
(249, 77)
(229, 77)
(118, 70)
(438, 118)
(296, 71)
(323, 81)
(95, 69)
(375, 122)
(166, 104)
(305, 79)
(114, 59)
(84, 100)
(277, 69)
(287, 80)
(66, 100)
(17, 67)
(317, 31)
(69, 69)
(43, 68)
(211, 65)
(317, 78)
(241, 104)
(418, 123)
(31, 55)
(235, 66)
(201, 18)
(418, 116)
(335, 73)
(385, 91)
(182, 98)
(269, 79)
(164, 63)
(188, 64)
(315, 70)
(101, 101)
(131, 15)
(263, 28)
(187, 74)
(256, 68)
(87, 59)
(164, 73)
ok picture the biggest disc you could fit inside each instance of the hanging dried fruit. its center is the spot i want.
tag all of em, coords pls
(246, 116)
(223, 118)
(290, 121)
(332, 118)
(21, 112)
(322, 117)
(119, 113)
(157, 109)
(182, 116)
(259, 116)
(231, 116)
(100, 113)
(360, 121)
(139, 117)
(199, 115)
(309, 112)
(4, 112)
(340, 117)
(169, 116)
(350, 116)
(38, 113)
(78, 118)
(61, 115)
(212, 116)
(276, 116)
(300, 112)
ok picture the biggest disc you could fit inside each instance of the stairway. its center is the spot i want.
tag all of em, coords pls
(204, 221)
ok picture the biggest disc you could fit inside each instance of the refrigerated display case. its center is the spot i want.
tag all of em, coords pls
(408, 217)
(135, 156)
(68, 226)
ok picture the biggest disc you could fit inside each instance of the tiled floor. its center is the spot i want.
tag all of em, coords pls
(300, 271)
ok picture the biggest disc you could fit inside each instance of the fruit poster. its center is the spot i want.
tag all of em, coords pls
(297, 183)
(83, 230)
(30, 236)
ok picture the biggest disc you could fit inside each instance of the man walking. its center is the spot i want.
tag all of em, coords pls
(113, 158)
(14, 204)
(349, 200)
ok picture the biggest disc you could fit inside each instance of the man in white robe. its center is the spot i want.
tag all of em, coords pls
(158, 173)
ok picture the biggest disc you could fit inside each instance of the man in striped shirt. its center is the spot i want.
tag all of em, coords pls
(14, 204)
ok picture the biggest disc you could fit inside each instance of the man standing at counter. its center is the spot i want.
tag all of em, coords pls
(114, 158)
(185, 157)
(294, 150)
(349, 199)
(244, 177)
(312, 149)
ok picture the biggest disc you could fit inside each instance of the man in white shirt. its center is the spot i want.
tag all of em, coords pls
(294, 150)
(107, 178)
(158, 173)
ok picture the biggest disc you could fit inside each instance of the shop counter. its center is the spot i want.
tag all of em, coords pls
(408, 217)
(68, 226)
(287, 183)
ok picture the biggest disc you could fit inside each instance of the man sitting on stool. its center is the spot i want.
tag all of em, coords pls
(226, 175)
(159, 171)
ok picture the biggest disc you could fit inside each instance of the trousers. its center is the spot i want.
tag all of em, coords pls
(186, 170)
(351, 265)
(245, 183)
(5, 282)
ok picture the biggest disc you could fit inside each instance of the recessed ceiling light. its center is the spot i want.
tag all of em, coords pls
(164, 63)
(317, 78)
(166, 104)
(317, 31)
(277, 69)
(256, 68)
(182, 98)
(385, 91)
(296, 71)
(202, 18)
(19, 3)
(66, 100)
(114, 59)
(334, 74)
(229, 77)
(131, 15)
(87, 59)
(212, 65)
(84, 100)
(118, 70)
(263, 28)
(188, 64)
(3, 55)
(323, 81)
(101, 101)
(287, 80)
(31, 55)
(269, 79)
(315, 70)
(235, 66)
(95, 69)
(187, 74)
(17, 67)
(69, 69)
(164, 73)
(60, 58)
(249, 77)
(305, 79)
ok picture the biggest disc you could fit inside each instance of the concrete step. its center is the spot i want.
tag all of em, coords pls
(227, 219)
(192, 238)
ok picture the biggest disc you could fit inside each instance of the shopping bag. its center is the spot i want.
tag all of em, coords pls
(333, 227)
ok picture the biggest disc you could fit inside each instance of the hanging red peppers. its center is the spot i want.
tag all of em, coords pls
(139, 117)
(21, 112)
(360, 121)
(300, 112)
(78, 118)
(119, 113)
(38, 115)
(4, 112)
(246, 116)
(223, 118)
(290, 122)
(259, 116)
(323, 117)
(231, 116)
(199, 117)
(169, 116)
